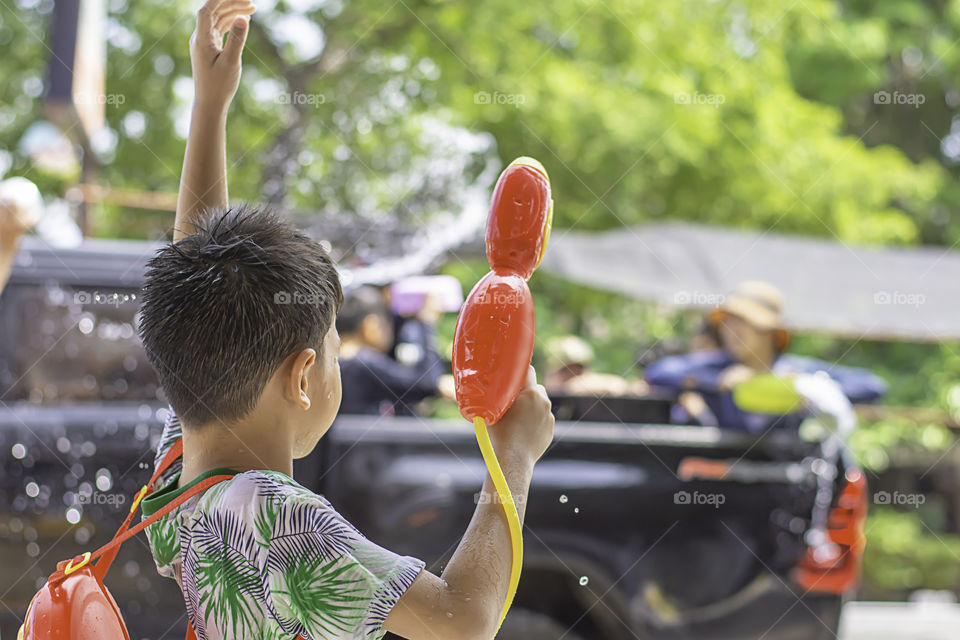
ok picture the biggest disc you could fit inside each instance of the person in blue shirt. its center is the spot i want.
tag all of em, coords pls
(752, 338)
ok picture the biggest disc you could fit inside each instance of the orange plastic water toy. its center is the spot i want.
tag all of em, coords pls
(74, 604)
(493, 341)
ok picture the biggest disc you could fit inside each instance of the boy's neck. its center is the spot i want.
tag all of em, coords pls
(244, 446)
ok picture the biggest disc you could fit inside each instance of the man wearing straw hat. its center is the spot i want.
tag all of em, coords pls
(753, 340)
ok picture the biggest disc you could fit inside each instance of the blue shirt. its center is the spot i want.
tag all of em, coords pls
(700, 372)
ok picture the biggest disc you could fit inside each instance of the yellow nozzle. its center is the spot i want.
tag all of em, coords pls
(533, 163)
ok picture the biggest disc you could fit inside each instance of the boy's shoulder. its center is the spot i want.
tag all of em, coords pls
(247, 504)
(250, 502)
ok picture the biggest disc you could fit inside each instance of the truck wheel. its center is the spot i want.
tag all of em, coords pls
(524, 624)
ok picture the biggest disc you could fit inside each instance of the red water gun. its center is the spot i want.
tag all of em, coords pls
(493, 341)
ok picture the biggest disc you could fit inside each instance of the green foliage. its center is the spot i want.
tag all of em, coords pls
(895, 443)
(903, 554)
(717, 112)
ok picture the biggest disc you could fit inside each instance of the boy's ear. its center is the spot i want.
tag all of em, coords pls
(296, 388)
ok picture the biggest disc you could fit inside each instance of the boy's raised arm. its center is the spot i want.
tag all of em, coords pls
(464, 603)
(216, 76)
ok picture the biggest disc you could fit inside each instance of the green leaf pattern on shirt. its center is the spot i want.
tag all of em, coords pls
(261, 557)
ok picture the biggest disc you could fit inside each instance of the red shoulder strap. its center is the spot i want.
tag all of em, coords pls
(109, 550)
(174, 453)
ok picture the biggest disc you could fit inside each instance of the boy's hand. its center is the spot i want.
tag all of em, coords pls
(527, 426)
(216, 67)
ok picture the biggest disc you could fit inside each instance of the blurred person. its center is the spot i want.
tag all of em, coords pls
(374, 383)
(20, 209)
(706, 337)
(749, 325)
(570, 373)
(414, 344)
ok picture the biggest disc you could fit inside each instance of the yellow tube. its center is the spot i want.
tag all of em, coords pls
(509, 509)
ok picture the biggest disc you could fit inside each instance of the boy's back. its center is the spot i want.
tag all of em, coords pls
(260, 556)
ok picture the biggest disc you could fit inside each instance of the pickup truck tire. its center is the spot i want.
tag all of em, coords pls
(524, 624)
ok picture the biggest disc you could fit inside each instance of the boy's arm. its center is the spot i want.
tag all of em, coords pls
(216, 76)
(464, 603)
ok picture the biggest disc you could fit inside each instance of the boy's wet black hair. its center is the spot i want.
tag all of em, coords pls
(224, 307)
(358, 304)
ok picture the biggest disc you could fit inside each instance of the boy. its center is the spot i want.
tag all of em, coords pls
(373, 382)
(255, 383)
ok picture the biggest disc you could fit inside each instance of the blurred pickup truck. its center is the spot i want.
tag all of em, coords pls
(634, 528)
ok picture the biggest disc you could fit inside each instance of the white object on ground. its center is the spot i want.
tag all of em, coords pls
(899, 621)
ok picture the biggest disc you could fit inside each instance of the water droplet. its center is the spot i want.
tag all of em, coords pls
(584, 580)
(563, 499)
(449, 614)
(73, 515)
(19, 451)
(63, 445)
(576, 509)
(85, 324)
(104, 479)
(33, 489)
